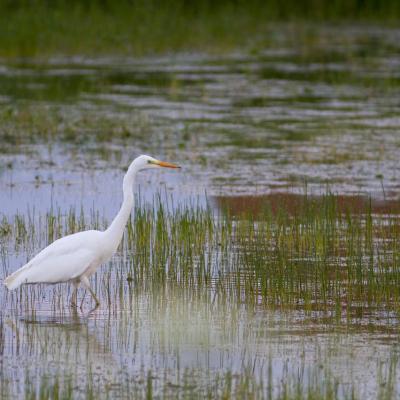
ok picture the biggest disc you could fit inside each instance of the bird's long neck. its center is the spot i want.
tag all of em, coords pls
(117, 227)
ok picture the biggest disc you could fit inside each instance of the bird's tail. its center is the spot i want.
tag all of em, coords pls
(14, 280)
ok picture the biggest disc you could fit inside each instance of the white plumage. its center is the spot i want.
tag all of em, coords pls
(74, 258)
(65, 259)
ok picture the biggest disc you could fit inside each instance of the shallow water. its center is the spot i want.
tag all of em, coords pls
(185, 343)
(312, 111)
(320, 111)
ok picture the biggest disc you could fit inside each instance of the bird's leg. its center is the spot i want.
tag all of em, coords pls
(83, 299)
(74, 295)
(86, 283)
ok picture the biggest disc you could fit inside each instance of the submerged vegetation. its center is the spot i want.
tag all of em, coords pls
(143, 27)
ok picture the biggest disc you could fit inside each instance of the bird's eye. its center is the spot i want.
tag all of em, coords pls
(148, 161)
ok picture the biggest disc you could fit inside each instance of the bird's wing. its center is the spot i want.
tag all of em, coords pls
(59, 267)
(63, 260)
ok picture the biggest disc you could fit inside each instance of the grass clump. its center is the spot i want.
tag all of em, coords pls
(38, 124)
(142, 27)
(317, 257)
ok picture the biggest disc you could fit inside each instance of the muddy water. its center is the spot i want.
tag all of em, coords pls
(317, 109)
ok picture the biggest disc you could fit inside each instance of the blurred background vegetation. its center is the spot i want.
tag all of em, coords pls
(140, 27)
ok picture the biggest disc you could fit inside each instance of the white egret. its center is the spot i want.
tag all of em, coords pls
(74, 258)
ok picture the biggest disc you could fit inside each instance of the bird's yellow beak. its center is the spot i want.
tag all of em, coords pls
(165, 164)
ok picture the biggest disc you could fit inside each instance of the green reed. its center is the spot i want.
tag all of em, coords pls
(321, 257)
(317, 257)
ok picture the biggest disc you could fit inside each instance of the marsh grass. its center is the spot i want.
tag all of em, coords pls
(29, 124)
(317, 257)
(143, 27)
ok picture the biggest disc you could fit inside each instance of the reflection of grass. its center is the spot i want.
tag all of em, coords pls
(144, 27)
(257, 376)
(315, 384)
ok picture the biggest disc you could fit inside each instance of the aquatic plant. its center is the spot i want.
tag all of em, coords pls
(319, 257)
(143, 27)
